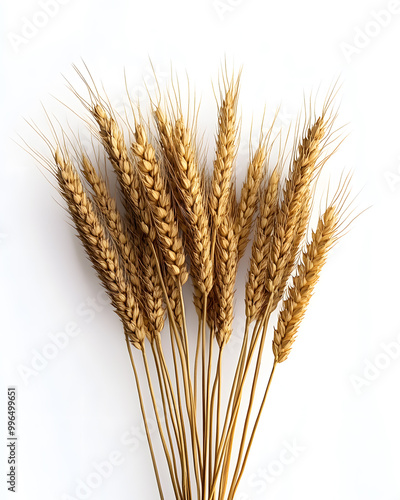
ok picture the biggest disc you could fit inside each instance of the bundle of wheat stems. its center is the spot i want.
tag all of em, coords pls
(180, 218)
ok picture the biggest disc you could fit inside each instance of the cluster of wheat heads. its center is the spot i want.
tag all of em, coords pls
(178, 218)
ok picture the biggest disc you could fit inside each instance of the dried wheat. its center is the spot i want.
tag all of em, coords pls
(226, 269)
(255, 286)
(249, 198)
(114, 143)
(160, 203)
(299, 294)
(103, 256)
(224, 155)
(289, 215)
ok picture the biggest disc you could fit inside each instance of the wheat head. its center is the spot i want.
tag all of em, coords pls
(249, 198)
(290, 215)
(255, 286)
(224, 155)
(307, 275)
(161, 206)
(113, 141)
(99, 249)
(193, 207)
(226, 259)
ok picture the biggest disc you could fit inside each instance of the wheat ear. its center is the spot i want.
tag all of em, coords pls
(113, 141)
(299, 294)
(224, 155)
(220, 189)
(154, 302)
(100, 251)
(112, 217)
(160, 203)
(290, 215)
(194, 209)
(165, 134)
(227, 258)
(153, 178)
(255, 286)
(186, 180)
(137, 256)
(249, 198)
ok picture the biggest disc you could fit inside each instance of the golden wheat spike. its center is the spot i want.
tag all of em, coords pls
(101, 253)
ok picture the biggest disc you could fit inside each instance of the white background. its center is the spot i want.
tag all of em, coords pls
(327, 399)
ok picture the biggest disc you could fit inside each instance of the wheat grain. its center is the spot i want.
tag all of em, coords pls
(154, 302)
(174, 298)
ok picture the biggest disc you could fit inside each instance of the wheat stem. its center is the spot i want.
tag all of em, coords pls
(178, 393)
(208, 409)
(175, 481)
(204, 402)
(164, 396)
(196, 359)
(142, 408)
(187, 384)
(222, 442)
(194, 436)
(228, 430)
(252, 395)
(235, 485)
